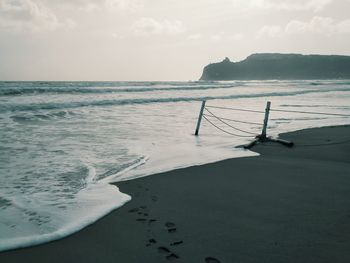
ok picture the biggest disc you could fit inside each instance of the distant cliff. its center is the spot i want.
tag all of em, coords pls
(280, 66)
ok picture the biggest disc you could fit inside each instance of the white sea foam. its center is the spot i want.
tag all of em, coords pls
(91, 203)
(63, 147)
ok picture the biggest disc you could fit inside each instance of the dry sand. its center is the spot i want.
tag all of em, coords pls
(287, 205)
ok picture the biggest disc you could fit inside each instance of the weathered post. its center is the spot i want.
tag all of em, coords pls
(266, 119)
(200, 118)
(262, 138)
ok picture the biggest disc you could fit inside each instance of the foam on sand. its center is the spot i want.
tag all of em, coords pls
(90, 204)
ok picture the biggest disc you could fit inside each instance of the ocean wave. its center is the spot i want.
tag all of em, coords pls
(34, 88)
(78, 104)
(99, 88)
(314, 106)
(4, 202)
(329, 82)
(27, 117)
(283, 120)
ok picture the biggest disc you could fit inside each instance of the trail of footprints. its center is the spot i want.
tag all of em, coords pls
(143, 215)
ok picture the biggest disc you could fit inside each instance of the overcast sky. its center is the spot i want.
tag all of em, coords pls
(159, 39)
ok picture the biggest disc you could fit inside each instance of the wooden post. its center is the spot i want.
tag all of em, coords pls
(262, 138)
(267, 112)
(200, 118)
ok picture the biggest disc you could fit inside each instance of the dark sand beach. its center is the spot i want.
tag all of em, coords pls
(286, 205)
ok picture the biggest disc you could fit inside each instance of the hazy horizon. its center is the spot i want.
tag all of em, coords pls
(141, 40)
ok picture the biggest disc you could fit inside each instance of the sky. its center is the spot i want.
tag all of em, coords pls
(145, 40)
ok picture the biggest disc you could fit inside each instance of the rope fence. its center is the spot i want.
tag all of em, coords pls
(222, 121)
(235, 109)
(244, 122)
(220, 129)
(209, 116)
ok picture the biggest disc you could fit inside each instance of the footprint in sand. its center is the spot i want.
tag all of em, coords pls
(172, 256)
(171, 230)
(151, 241)
(163, 250)
(176, 243)
(133, 210)
(169, 224)
(171, 227)
(211, 260)
(152, 221)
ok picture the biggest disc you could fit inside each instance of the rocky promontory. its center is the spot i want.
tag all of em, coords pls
(267, 66)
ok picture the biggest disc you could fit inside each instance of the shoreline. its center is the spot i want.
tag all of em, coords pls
(282, 206)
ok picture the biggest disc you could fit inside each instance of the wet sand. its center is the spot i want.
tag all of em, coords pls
(287, 205)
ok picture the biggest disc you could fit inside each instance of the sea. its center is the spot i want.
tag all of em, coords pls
(62, 144)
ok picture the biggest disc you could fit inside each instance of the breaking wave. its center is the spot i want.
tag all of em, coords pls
(77, 104)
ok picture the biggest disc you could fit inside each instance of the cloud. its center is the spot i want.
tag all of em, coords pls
(218, 37)
(20, 15)
(194, 37)
(122, 5)
(317, 25)
(344, 26)
(237, 37)
(270, 31)
(291, 5)
(118, 36)
(104, 5)
(320, 25)
(224, 36)
(147, 26)
(89, 7)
